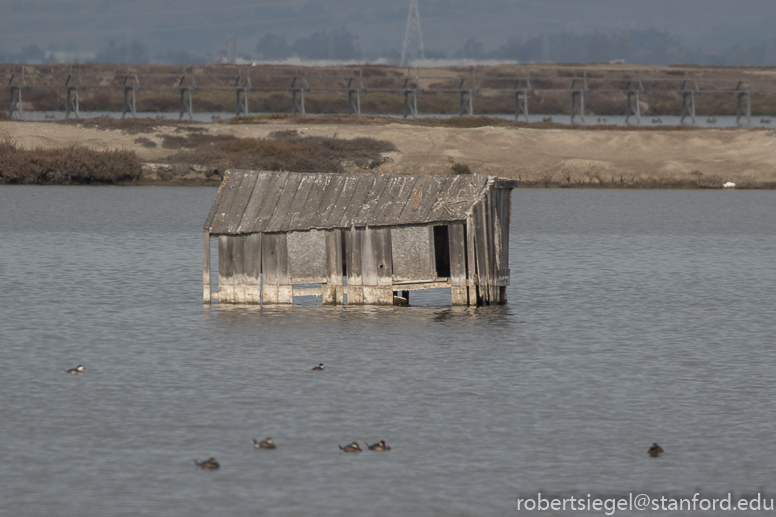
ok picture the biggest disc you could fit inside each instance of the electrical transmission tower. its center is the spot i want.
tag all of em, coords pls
(413, 31)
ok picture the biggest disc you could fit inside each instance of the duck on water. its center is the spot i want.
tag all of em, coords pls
(379, 446)
(268, 443)
(78, 370)
(209, 463)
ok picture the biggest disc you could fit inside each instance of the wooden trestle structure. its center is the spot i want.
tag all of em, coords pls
(358, 238)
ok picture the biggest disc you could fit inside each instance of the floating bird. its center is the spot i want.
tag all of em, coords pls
(351, 447)
(765, 121)
(657, 120)
(268, 443)
(728, 184)
(547, 119)
(379, 446)
(319, 367)
(655, 450)
(209, 463)
(711, 120)
(78, 370)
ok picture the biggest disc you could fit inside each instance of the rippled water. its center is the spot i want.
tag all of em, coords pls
(633, 317)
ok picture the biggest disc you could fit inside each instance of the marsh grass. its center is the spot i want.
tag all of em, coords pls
(287, 151)
(74, 165)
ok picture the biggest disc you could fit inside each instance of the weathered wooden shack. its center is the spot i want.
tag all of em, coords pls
(358, 238)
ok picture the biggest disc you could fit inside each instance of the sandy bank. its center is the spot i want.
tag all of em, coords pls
(534, 157)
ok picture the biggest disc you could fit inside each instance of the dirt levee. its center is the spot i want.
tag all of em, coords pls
(534, 157)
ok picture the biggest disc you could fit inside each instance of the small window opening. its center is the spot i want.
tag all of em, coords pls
(442, 251)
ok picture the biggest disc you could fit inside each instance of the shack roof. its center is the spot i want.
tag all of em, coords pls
(254, 201)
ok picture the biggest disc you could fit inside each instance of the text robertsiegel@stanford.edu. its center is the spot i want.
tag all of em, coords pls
(643, 502)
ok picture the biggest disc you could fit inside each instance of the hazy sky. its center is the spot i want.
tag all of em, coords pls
(203, 25)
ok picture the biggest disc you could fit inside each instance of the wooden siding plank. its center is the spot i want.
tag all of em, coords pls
(368, 259)
(238, 243)
(225, 269)
(383, 256)
(471, 261)
(289, 192)
(333, 286)
(457, 244)
(355, 285)
(205, 267)
(506, 218)
(256, 202)
(269, 268)
(251, 289)
(482, 255)
(252, 259)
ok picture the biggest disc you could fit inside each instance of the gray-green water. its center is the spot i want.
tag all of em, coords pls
(633, 317)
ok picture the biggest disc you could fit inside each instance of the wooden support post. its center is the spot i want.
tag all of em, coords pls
(457, 244)
(225, 269)
(332, 292)
(483, 257)
(377, 268)
(504, 215)
(206, 267)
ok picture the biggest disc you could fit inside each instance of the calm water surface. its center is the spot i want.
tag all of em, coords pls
(633, 317)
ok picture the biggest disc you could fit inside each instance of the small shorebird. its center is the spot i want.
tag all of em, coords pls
(268, 443)
(78, 370)
(319, 367)
(351, 447)
(379, 446)
(655, 450)
(209, 463)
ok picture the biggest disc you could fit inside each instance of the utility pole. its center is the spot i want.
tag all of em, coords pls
(413, 31)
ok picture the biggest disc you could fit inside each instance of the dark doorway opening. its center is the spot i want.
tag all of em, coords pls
(442, 251)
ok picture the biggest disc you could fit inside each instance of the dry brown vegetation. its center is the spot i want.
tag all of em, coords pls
(283, 151)
(69, 166)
